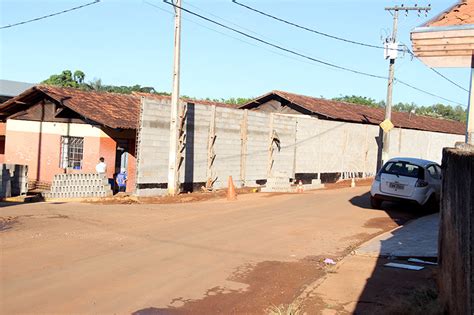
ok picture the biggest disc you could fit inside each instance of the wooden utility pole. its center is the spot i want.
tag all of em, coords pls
(392, 55)
(173, 173)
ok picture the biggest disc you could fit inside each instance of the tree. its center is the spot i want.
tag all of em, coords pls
(65, 79)
(362, 100)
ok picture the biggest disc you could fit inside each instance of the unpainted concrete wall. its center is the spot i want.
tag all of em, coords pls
(456, 237)
(306, 145)
(14, 180)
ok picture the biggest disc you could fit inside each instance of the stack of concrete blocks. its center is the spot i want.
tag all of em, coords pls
(278, 184)
(79, 186)
(14, 180)
(315, 184)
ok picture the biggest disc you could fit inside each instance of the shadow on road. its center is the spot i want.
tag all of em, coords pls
(400, 213)
(392, 290)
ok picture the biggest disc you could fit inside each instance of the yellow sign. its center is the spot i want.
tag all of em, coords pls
(386, 125)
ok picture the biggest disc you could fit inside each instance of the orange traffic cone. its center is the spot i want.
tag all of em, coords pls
(231, 194)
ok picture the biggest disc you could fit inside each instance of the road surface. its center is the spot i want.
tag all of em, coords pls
(201, 258)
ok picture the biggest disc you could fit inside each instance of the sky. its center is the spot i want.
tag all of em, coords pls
(125, 42)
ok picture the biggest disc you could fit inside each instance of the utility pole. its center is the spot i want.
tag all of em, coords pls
(173, 173)
(391, 54)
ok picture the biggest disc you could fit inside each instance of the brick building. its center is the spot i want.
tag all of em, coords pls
(57, 130)
(63, 130)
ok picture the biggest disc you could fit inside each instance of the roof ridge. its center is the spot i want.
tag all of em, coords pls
(366, 106)
(48, 86)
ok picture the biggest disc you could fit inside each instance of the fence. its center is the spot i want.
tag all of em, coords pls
(250, 146)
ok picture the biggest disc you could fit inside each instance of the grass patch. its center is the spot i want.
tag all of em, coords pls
(290, 309)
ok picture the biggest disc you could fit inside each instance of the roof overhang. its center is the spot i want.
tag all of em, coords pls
(444, 46)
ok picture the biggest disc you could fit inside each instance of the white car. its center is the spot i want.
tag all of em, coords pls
(407, 179)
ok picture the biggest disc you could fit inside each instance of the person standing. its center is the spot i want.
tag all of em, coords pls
(121, 180)
(101, 167)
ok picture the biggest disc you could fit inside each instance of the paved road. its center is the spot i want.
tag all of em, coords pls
(228, 257)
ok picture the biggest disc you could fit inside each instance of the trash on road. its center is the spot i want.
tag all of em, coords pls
(329, 261)
(416, 260)
(403, 266)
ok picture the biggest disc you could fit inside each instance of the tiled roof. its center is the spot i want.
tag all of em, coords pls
(460, 14)
(343, 111)
(110, 109)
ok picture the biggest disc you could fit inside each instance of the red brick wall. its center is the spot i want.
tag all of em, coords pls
(107, 150)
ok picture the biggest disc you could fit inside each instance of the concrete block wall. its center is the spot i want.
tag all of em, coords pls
(456, 236)
(258, 134)
(228, 146)
(79, 186)
(14, 180)
(308, 145)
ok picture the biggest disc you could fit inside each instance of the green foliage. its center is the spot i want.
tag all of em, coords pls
(232, 100)
(437, 110)
(65, 79)
(362, 100)
(77, 80)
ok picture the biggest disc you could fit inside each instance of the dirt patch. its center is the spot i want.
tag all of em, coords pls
(347, 183)
(269, 283)
(7, 223)
(385, 224)
(182, 198)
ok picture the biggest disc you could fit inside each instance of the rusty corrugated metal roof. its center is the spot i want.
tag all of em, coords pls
(344, 111)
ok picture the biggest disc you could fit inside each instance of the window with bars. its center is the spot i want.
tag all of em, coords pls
(71, 152)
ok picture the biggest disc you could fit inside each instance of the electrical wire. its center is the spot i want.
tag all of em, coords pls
(276, 46)
(305, 56)
(230, 36)
(426, 92)
(312, 30)
(50, 15)
(438, 73)
(340, 38)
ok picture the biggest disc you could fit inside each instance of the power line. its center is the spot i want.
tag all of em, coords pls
(426, 92)
(438, 73)
(305, 56)
(50, 15)
(310, 29)
(274, 45)
(233, 37)
(340, 38)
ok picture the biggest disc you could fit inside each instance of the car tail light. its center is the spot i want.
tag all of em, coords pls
(377, 178)
(421, 183)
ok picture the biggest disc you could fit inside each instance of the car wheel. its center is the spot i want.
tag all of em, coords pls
(375, 203)
(432, 205)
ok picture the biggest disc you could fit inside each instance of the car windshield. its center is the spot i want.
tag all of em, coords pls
(404, 169)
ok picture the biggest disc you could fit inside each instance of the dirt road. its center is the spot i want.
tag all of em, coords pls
(213, 257)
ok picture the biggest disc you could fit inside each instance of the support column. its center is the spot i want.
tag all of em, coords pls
(243, 148)
(211, 155)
